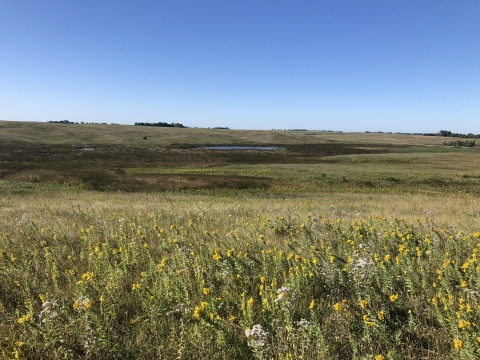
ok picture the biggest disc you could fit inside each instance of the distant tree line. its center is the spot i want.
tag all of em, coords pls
(161, 124)
(447, 133)
(61, 122)
(82, 123)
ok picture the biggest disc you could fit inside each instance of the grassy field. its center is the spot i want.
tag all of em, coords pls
(48, 133)
(342, 246)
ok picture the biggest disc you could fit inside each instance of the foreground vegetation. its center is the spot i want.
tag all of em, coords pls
(215, 277)
(334, 251)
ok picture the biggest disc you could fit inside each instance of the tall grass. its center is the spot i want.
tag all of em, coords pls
(213, 277)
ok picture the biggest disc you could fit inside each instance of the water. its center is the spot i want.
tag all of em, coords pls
(269, 148)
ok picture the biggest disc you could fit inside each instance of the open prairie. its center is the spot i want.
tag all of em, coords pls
(138, 242)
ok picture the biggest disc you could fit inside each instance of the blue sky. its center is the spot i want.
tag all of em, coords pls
(386, 65)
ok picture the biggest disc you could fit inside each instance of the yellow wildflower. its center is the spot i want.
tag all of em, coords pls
(25, 318)
(217, 255)
(82, 303)
(363, 304)
(136, 286)
(88, 276)
(197, 313)
(162, 264)
(457, 343)
(462, 324)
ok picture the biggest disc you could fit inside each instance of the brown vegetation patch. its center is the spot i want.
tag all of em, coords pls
(103, 168)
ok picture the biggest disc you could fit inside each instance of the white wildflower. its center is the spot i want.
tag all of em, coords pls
(472, 292)
(281, 293)
(362, 266)
(303, 324)
(50, 310)
(257, 337)
(24, 219)
(179, 311)
(82, 303)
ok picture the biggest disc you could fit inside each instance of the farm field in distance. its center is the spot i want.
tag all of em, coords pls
(137, 242)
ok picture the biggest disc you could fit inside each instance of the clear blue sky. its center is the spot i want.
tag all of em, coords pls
(386, 65)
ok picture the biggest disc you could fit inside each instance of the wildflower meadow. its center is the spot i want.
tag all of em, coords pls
(230, 281)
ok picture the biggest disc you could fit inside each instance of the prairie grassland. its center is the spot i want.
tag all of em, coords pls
(319, 252)
(47, 133)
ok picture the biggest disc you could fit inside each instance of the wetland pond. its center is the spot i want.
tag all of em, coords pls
(226, 147)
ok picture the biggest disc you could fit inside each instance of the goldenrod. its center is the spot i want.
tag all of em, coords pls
(457, 343)
(363, 304)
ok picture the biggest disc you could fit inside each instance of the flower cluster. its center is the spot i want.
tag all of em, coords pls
(257, 337)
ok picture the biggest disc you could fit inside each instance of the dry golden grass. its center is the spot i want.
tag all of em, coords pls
(462, 211)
